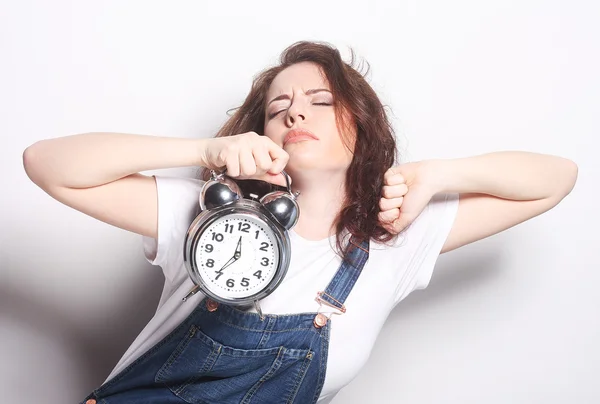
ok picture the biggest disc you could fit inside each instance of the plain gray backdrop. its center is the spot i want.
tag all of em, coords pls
(509, 319)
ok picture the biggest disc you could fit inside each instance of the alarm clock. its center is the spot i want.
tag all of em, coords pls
(237, 250)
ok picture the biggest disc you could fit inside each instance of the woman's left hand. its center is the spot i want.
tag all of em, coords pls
(407, 188)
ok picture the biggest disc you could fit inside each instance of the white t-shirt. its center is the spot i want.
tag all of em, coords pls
(390, 274)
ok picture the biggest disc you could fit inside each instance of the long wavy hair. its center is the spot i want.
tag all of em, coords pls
(374, 146)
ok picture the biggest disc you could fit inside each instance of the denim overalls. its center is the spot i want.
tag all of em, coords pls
(221, 354)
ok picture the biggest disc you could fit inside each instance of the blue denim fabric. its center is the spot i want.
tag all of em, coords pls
(231, 356)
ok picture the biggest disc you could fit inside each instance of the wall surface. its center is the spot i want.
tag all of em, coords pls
(509, 319)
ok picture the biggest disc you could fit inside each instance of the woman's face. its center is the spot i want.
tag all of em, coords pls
(300, 117)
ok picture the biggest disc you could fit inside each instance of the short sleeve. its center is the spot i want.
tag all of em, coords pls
(426, 237)
(178, 205)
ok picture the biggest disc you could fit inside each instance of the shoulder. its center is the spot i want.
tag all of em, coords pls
(178, 199)
(178, 205)
(178, 187)
(178, 196)
(411, 257)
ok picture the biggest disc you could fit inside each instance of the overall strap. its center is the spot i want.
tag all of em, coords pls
(346, 276)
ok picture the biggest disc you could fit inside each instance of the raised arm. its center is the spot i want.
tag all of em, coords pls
(99, 173)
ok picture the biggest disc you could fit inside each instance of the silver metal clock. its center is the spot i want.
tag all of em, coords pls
(237, 250)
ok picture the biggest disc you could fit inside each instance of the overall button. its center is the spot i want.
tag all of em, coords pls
(211, 305)
(320, 320)
(90, 401)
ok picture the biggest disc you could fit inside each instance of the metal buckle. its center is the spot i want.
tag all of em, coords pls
(320, 300)
(321, 319)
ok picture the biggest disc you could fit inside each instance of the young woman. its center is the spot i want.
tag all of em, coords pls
(368, 234)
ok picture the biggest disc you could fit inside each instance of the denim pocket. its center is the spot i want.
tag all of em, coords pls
(202, 370)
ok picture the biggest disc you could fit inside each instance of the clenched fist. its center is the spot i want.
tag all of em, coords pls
(405, 193)
(246, 156)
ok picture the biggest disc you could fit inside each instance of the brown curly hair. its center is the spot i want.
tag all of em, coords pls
(374, 147)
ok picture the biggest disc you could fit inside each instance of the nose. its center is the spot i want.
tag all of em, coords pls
(295, 114)
(291, 119)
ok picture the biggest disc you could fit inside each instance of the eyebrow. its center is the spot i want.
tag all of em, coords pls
(287, 97)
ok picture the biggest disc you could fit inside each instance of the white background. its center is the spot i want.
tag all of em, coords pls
(510, 319)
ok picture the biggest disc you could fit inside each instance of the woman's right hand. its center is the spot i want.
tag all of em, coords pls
(246, 156)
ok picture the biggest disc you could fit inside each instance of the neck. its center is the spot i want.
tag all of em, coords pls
(320, 201)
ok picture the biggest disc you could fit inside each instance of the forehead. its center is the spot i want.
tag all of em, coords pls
(303, 76)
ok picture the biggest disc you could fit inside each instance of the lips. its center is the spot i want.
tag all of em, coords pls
(296, 135)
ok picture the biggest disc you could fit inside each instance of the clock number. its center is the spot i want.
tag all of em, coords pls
(208, 248)
(228, 228)
(243, 227)
(210, 263)
(217, 237)
(264, 262)
(258, 274)
(230, 283)
(256, 236)
(245, 281)
(218, 276)
(264, 246)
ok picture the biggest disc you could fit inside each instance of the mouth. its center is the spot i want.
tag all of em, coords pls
(298, 135)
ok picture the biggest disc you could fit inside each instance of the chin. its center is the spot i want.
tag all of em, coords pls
(302, 162)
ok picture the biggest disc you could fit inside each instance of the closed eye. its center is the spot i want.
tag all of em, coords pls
(274, 114)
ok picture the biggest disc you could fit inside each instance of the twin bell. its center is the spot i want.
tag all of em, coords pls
(222, 190)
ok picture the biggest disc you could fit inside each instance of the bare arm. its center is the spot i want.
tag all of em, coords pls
(92, 159)
(97, 173)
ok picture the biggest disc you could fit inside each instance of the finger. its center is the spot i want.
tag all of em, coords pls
(387, 204)
(400, 189)
(277, 179)
(233, 167)
(392, 171)
(279, 157)
(388, 216)
(395, 179)
(394, 191)
(401, 223)
(262, 159)
(247, 163)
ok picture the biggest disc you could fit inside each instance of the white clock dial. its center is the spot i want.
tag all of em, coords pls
(237, 256)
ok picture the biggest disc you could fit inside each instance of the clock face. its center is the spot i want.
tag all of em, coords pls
(237, 256)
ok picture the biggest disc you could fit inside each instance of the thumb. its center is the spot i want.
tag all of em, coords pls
(394, 220)
(402, 222)
(277, 179)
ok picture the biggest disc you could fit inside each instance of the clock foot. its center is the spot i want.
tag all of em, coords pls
(259, 310)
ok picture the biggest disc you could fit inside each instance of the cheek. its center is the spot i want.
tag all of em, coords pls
(268, 130)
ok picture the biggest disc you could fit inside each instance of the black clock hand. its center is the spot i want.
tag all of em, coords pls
(238, 249)
(236, 255)
(231, 261)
